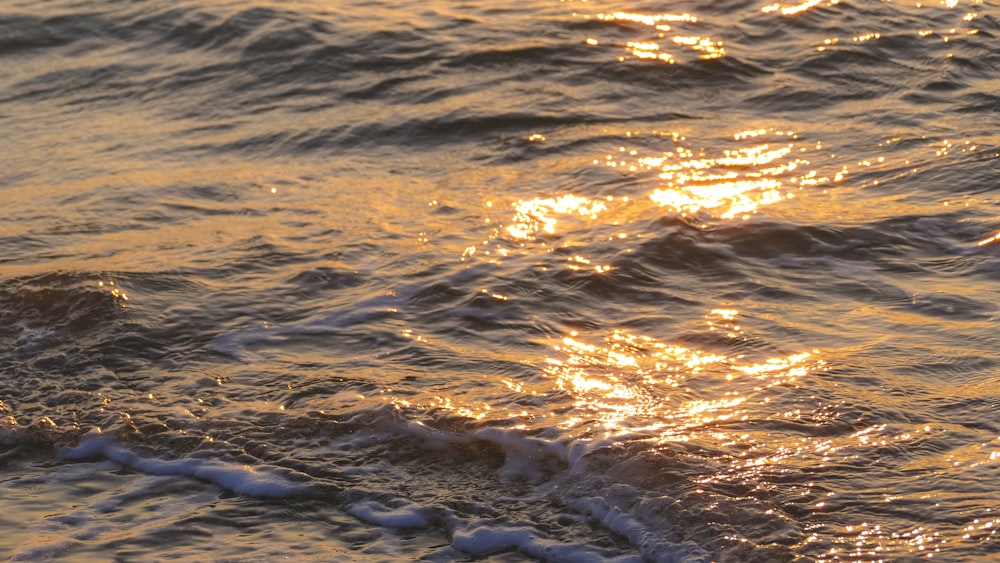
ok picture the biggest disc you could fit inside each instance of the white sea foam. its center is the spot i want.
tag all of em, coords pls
(485, 540)
(241, 479)
(407, 515)
(528, 459)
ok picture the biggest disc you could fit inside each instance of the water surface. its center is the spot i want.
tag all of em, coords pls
(565, 281)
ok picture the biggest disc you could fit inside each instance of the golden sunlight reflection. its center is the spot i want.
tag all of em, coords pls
(634, 383)
(749, 411)
(474, 413)
(660, 21)
(735, 183)
(989, 240)
(787, 9)
(729, 179)
(950, 31)
(873, 541)
(649, 50)
(660, 27)
(116, 291)
(541, 223)
(709, 48)
(538, 217)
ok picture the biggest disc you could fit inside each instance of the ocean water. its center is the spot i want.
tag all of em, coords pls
(459, 280)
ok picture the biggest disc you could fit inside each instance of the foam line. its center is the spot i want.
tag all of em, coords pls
(241, 479)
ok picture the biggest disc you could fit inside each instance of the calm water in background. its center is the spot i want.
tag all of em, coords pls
(665, 281)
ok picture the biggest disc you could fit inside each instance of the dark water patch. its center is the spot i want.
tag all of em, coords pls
(79, 303)
(188, 82)
(387, 88)
(890, 243)
(72, 323)
(955, 306)
(959, 266)
(203, 203)
(464, 127)
(682, 246)
(312, 54)
(979, 103)
(108, 83)
(262, 144)
(184, 29)
(933, 96)
(527, 58)
(699, 83)
(751, 291)
(830, 64)
(974, 413)
(947, 85)
(424, 133)
(318, 281)
(810, 96)
(770, 240)
(18, 246)
(20, 33)
(476, 314)
(256, 254)
(284, 42)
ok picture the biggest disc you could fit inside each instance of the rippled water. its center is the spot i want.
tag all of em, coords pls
(461, 280)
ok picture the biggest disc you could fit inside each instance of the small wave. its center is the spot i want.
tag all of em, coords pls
(79, 304)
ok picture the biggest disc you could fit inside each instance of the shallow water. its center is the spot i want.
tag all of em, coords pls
(565, 281)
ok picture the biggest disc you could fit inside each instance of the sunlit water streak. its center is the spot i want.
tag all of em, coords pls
(560, 280)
